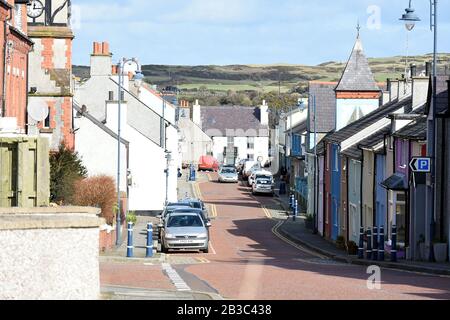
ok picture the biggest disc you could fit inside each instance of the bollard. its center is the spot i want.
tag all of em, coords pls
(369, 245)
(375, 244)
(149, 248)
(295, 210)
(130, 240)
(394, 244)
(361, 244)
(381, 244)
(291, 201)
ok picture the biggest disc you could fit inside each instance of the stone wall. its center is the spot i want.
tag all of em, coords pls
(49, 253)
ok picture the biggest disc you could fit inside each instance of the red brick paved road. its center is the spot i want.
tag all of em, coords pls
(252, 263)
(248, 261)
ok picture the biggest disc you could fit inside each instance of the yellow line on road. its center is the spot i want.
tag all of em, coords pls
(213, 210)
(266, 212)
(203, 260)
(299, 247)
(198, 193)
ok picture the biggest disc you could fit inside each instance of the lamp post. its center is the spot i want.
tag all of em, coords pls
(410, 18)
(138, 78)
(168, 158)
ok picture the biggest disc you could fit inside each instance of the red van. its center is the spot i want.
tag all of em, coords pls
(208, 163)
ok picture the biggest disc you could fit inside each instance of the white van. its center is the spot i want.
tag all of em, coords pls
(260, 174)
(247, 167)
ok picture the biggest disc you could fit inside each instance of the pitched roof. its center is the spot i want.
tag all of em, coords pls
(371, 118)
(235, 120)
(325, 106)
(357, 75)
(414, 131)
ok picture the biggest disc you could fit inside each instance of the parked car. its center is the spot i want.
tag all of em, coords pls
(260, 174)
(196, 203)
(171, 207)
(249, 167)
(240, 165)
(184, 231)
(263, 184)
(208, 163)
(228, 175)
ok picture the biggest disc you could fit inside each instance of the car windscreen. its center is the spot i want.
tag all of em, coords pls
(184, 221)
(228, 171)
(264, 181)
(258, 176)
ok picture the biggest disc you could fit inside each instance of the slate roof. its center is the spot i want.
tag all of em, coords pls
(369, 119)
(325, 106)
(414, 131)
(355, 152)
(357, 75)
(219, 119)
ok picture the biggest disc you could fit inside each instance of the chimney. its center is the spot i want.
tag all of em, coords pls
(393, 90)
(101, 60)
(115, 69)
(428, 69)
(264, 113)
(419, 91)
(196, 114)
(413, 70)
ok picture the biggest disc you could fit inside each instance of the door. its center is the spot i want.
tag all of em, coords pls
(9, 175)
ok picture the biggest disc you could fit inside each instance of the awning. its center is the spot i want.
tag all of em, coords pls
(396, 182)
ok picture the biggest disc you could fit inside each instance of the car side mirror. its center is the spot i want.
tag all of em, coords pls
(160, 225)
(208, 224)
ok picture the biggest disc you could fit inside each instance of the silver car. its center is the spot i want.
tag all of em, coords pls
(263, 185)
(228, 175)
(184, 231)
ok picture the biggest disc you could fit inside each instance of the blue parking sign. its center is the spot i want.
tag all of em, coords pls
(420, 164)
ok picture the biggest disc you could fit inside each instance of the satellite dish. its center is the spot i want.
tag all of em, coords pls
(38, 110)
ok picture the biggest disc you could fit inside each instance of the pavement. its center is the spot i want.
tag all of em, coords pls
(147, 278)
(298, 233)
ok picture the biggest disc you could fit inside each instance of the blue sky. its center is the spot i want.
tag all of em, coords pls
(202, 32)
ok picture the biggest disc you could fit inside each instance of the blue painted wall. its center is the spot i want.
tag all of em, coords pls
(335, 190)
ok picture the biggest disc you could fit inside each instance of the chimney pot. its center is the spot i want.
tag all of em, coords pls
(105, 48)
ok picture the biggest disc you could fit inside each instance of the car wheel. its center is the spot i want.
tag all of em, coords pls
(206, 250)
(163, 248)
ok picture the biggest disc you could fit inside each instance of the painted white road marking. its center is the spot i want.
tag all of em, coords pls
(179, 283)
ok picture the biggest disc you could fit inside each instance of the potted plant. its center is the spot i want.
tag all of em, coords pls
(352, 248)
(340, 242)
(440, 250)
(131, 217)
(309, 222)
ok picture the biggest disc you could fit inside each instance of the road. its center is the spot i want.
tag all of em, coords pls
(248, 260)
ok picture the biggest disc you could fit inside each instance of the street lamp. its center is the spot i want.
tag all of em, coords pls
(138, 78)
(168, 158)
(410, 19)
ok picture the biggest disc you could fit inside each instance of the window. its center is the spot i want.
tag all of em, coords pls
(47, 120)
(18, 16)
(251, 143)
(251, 157)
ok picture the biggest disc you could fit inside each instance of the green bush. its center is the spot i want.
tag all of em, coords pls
(66, 168)
(131, 217)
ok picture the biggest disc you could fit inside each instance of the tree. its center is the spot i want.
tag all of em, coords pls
(66, 168)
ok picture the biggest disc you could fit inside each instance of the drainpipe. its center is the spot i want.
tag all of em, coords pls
(444, 128)
(5, 54)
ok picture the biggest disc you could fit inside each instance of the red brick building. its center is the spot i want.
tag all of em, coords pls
(50, 70)
(15, 46)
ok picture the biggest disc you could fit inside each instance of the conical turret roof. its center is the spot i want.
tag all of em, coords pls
(357, 75)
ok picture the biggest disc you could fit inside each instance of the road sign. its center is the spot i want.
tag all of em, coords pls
(420, 164)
